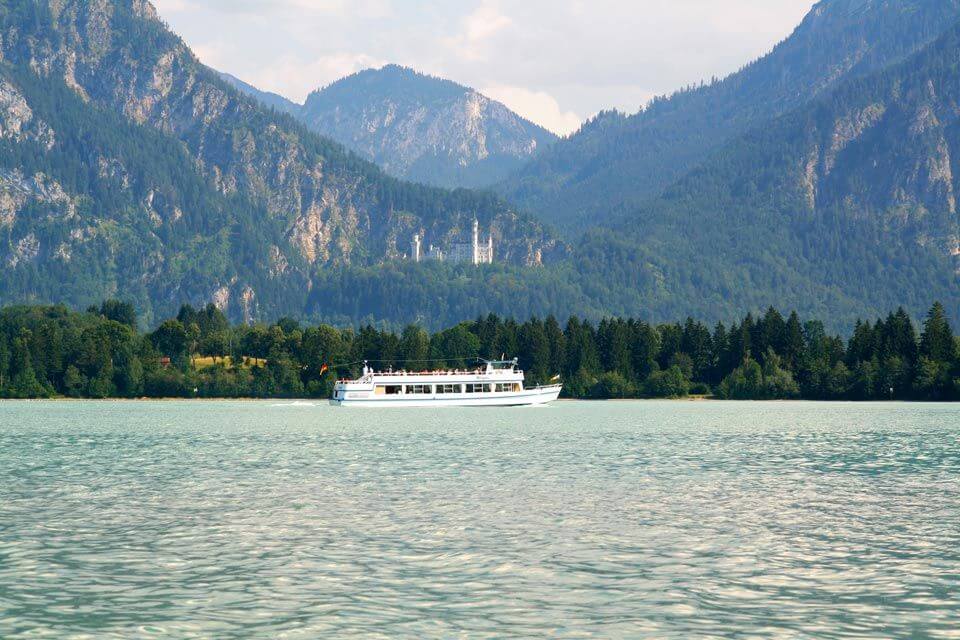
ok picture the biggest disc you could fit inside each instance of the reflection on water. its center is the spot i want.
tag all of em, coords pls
(615, 519)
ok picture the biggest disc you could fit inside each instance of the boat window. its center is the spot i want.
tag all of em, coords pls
(478, 388)
(445, 389)
(506, 388)
(393, 390)
(419, 389)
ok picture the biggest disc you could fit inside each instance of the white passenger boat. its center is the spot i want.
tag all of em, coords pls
(495, 384)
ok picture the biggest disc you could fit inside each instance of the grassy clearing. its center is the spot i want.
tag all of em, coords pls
(205, 362)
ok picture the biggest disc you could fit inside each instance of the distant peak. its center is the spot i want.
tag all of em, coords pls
(394, 78)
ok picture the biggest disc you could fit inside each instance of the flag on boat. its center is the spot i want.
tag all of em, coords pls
(324, 369)
(554, 378)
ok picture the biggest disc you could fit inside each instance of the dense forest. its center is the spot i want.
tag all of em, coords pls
(55, 352)
(843, 208)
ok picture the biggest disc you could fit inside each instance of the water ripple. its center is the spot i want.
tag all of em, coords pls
(666, 520)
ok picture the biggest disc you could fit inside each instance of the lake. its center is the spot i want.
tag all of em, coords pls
(618, 519)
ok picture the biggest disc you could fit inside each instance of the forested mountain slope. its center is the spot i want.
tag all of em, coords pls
(841, 208)
(130, 169)
(91, 204)
(619, 161)
(848, 203)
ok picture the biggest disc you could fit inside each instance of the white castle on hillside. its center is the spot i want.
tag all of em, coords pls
(472, 252)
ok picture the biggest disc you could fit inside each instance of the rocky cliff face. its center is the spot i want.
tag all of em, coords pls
(889, 155)
(307, 202)
(424, 129)
(18, 125)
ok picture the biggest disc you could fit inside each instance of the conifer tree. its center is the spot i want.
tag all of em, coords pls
(414, 348)
(24, 383)
(697, 344)
(861, 345)
(4, 363)
(535, 350)
(740, 343)
(646, 347)
(937, 342)
(901, 338)
(558, 345)
(614, 345)
(507, 339)
(773, 334)
(721, 345)
(794, 346)
(671, 343)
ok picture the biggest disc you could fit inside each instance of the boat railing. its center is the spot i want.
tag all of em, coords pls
(434, 374)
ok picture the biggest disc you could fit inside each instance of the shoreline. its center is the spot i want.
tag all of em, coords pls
(325, 401)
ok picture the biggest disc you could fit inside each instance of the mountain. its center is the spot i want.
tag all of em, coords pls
(616, 161)
(127, 168)
(424, 129)
(847, 205)
(272, 100)
(130, 170)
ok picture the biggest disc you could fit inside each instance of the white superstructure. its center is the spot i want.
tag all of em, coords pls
(495, 384)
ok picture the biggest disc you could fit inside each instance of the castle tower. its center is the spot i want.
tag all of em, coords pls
(476, 241)
(415, 248)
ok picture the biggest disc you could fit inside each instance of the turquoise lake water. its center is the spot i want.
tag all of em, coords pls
(634, 519)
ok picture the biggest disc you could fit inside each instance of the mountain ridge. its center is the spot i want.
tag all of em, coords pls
(272, 100)
(127, 169)
(847, 201)
(307, 202)
(617, 161)
(419, 127)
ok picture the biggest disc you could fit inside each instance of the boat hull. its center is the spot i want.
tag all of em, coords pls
(527, 398)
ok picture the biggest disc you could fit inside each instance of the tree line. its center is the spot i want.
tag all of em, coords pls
(51, 351)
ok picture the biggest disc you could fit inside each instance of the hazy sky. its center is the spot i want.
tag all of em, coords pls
(556, 62)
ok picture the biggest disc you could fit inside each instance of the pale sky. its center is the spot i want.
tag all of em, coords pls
(556, 62)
